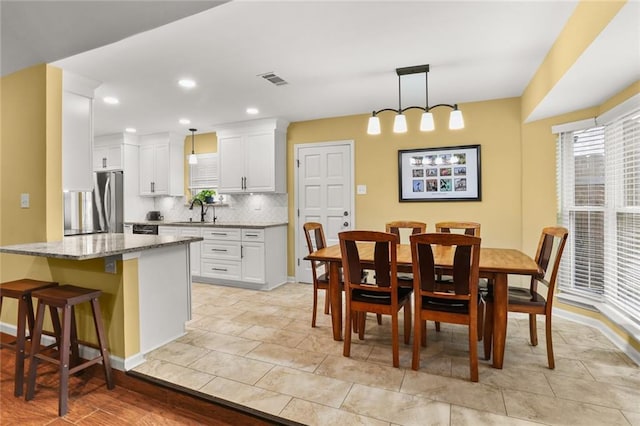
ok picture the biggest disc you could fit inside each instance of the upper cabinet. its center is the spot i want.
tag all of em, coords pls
(161, 164)
(108, 151)
(252, 156)
(77, 132)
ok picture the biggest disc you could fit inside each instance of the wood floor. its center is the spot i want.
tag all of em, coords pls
(132, 402)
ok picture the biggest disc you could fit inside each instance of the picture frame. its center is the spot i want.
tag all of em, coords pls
(440, 174)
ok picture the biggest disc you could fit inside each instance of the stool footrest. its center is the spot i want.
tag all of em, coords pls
(47, 358)
(85, 364)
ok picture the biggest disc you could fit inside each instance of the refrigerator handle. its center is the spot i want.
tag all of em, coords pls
(107, 204)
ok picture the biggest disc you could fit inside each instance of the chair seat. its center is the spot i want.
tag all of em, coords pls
(523, 296)
(381, 298)
(445, 305)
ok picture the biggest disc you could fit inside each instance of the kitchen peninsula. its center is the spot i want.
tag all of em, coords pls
(145, 282)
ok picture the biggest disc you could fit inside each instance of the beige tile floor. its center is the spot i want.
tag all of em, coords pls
(258, 349)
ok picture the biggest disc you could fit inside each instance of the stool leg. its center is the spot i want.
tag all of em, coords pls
(75, 352)
(57, 328)
(21, 332)
(102, 341)
(64, 360)
(35, 348)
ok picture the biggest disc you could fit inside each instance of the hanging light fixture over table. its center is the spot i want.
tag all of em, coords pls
(456, 121)
(192, 157)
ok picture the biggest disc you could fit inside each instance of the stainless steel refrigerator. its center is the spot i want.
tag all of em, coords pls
(97, 211)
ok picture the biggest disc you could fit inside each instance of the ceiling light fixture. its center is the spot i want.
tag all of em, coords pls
(192, 158)
(130, 130)
(456, 121)
(184, 121)
(252, 111)
(110, 100)
(187, 83)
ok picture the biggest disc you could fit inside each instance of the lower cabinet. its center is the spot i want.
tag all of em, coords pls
(245, 257)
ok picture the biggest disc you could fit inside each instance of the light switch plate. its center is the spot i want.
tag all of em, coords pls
(362, 189)
(24, 200)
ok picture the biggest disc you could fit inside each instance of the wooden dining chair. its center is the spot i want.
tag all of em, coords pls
(531, 300)
(401, 227)
(458, 306)
(466, 228)
(314, 235)
(384, 296)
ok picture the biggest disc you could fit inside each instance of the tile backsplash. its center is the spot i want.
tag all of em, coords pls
(235, 208)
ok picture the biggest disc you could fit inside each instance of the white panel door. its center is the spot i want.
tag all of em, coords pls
(324, 181)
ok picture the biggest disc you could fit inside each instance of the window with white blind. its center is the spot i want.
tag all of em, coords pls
(204, 174)
(599, 190)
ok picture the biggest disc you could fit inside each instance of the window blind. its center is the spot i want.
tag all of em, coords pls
(622, 241)
(599, 198)
(204, 174)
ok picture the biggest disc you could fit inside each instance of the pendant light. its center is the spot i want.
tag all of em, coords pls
(456, 121)
(192, 157)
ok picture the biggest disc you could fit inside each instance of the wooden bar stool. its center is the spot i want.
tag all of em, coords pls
(21, 290)
(65, 298)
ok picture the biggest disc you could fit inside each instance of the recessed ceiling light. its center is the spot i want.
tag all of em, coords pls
(110, 100)
(130, 130)
(252, 111)
(187, 83)
(184, 121)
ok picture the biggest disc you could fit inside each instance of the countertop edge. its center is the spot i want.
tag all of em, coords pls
(248, 225)
(25, 251)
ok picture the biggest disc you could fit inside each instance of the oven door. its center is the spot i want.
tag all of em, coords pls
(145, 229)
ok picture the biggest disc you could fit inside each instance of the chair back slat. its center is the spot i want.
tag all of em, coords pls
(427, 266)
(462, 269)
(381, 264)
(354, 270)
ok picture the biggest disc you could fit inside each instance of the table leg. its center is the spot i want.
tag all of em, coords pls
(499, 318)
(335, 292)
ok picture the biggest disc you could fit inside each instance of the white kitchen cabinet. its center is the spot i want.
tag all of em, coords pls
(77, 132)
(252, 157)
(244, 257)
(107, 157)
(161, 165)
(194, 248)
(109, 151)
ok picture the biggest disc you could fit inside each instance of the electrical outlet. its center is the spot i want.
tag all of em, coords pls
(24, 201)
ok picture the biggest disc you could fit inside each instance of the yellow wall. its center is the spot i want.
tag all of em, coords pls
(583, 27)
(495, 125)
(31, 162)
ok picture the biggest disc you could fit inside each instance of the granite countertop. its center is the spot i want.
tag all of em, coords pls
(94, 246)
(254, 225)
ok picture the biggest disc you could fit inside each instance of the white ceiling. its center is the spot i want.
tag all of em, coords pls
(339, 58)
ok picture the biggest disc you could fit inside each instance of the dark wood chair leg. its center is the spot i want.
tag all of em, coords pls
(35, 348)
(63, 391)
(102, 342)
(20, 342)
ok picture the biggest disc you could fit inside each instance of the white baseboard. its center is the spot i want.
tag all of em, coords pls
(86, 352)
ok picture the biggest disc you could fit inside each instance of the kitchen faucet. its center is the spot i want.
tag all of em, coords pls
(202, 210)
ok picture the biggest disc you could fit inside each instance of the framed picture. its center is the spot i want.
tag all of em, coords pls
(440, 174)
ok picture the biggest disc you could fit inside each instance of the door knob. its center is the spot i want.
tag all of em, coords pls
(346, 224)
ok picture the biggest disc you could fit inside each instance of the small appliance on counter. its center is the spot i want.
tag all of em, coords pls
(154, 215)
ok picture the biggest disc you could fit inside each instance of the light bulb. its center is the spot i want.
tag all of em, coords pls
(400, 124)
(373, 128)
(426, 122)
(456, 121)
(193, 159)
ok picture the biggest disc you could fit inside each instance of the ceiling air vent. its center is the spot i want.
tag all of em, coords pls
(272, 78)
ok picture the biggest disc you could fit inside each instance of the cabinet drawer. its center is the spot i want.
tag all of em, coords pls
(225, 250)
(221, 269)
(253, 235)
(232, 234)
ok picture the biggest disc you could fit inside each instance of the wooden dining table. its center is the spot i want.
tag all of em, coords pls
(495, 264)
